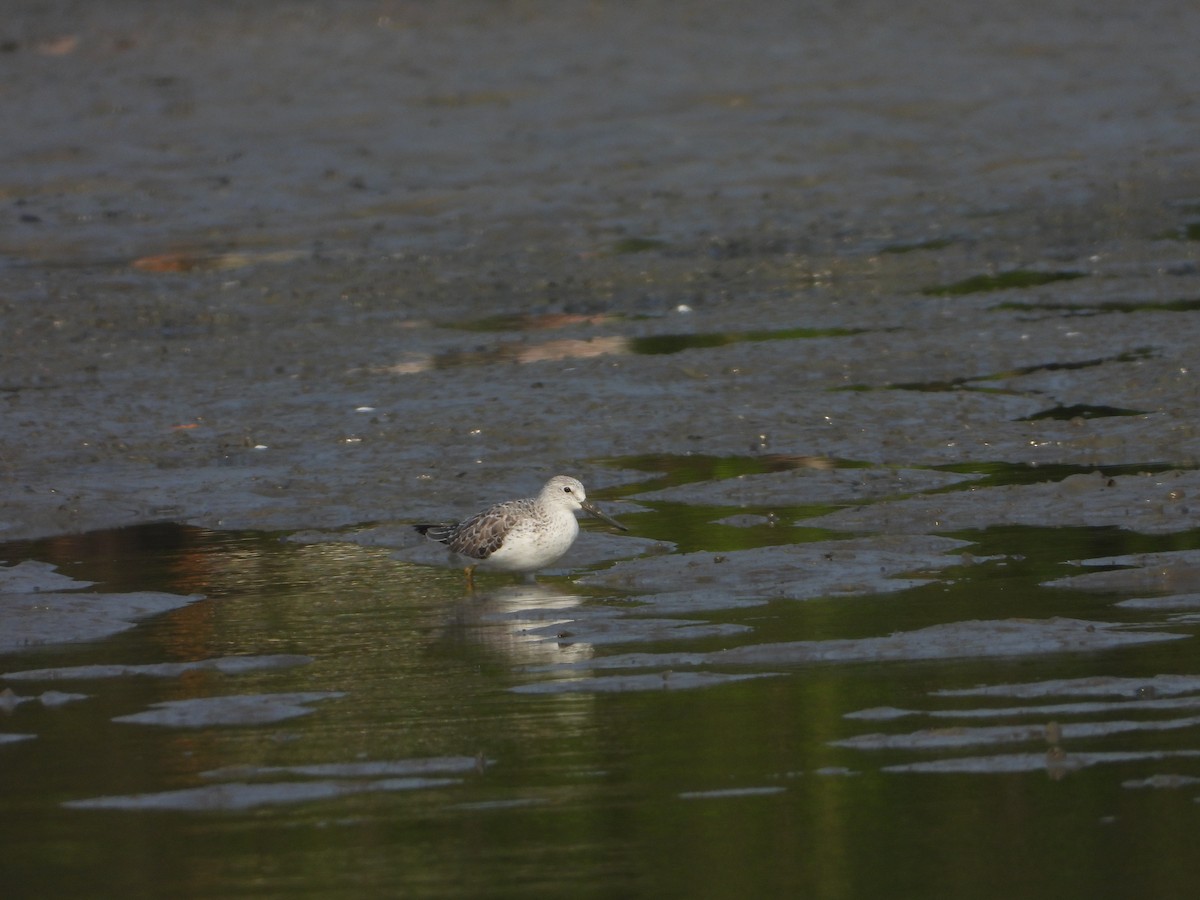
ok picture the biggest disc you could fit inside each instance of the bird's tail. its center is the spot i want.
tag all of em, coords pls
(440, 533)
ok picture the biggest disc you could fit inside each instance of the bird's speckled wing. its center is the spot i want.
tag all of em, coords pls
(482, 535)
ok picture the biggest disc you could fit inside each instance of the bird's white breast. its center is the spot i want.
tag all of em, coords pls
(535, 543)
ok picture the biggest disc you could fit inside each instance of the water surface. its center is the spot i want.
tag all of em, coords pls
(409, 738)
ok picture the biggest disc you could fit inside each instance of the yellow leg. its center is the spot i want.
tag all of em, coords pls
(470, 570)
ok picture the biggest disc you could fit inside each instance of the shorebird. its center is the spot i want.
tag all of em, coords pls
(519, 535)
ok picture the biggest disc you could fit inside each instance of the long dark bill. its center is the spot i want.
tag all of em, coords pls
(594, 510)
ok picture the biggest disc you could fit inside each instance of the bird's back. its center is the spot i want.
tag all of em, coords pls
(483, 534)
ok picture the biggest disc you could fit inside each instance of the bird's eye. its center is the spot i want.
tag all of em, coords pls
(567, 489)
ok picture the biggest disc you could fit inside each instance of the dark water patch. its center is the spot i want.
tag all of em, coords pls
(1001, 474)
(973, 382)
(917, 246)
(966, 383)
(663, 344)
(376, 768)
(1107, 306)
(630, 245)
(1188, 231)
(1015, 279)
(1039, 552)
(691, 527)
(1082, 411)
(676, 469)
(156, 555)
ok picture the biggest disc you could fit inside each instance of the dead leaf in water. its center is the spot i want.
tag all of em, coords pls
(59, 46)
(188, 261)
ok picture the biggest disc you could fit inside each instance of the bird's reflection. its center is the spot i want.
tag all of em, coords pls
(527, 623)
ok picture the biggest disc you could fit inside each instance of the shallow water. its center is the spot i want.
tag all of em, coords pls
(364, 727)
